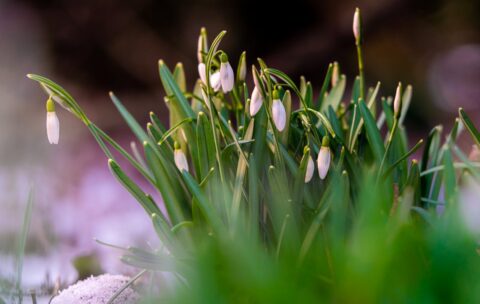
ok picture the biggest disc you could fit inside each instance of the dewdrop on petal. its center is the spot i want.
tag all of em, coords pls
(180, 158)
(53, 125)
(310, 169)
(255, 102)
(397, 100)
(324, 157)
(278, 112)
(226, 74)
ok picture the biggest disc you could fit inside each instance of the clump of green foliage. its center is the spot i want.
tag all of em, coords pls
(247, 221)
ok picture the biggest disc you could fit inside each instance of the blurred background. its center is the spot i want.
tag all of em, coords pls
(91, 47)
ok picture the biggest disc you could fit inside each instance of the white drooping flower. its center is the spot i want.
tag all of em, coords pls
(226, 74)
(397, 100)
(202, 72)
(180, 158)
(310, 169)
(53, 124)
(278, 112)
(215, 81)
(324, 158)
(255, 102)
(356, 25)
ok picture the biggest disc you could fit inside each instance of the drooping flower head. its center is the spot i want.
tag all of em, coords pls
(310, 169)
(53, 125)
(180, 158)
(256, 101)
(279, 115)
(226, 74)
(324, 158)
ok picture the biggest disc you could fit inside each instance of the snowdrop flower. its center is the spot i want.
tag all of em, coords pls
(202, 72)
(278, 112)
(255, 102)
(397, 100)
(310, 169)
(53, 125)
(324, 157)
(226, 74)
(214, 78)
(215, 81)
(356, 26)
(180, 158)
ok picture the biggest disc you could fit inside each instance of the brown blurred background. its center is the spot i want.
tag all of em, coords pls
(92, 47)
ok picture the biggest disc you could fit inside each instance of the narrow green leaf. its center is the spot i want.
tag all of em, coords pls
(136, 192)
(373, 134)
(204, 204)
(132, 123)
(171, 88)
(470, 126)
(170, 192)
(179, 76)
(325, 122)
(325, 85)
(335, 95)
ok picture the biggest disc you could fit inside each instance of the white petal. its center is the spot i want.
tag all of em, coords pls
(356, 24)
(53, 128)
(202, 72)
(310, 169)
(215, 81)
(199, 48)
(323, 162)
(255, 102)
(397, 99)
(226, 76)
(278, 114)
(180, 160)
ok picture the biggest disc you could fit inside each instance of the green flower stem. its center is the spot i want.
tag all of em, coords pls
(360, 71)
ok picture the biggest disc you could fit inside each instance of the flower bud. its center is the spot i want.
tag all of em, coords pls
(357, 24)
(202, 72)
(242, 67)
(180, 158)
(53, 124)
(397, 101)
(278, 112)
(310, 169)
(324, 157)
(255, 102)
(226, 74)
(202, 44)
